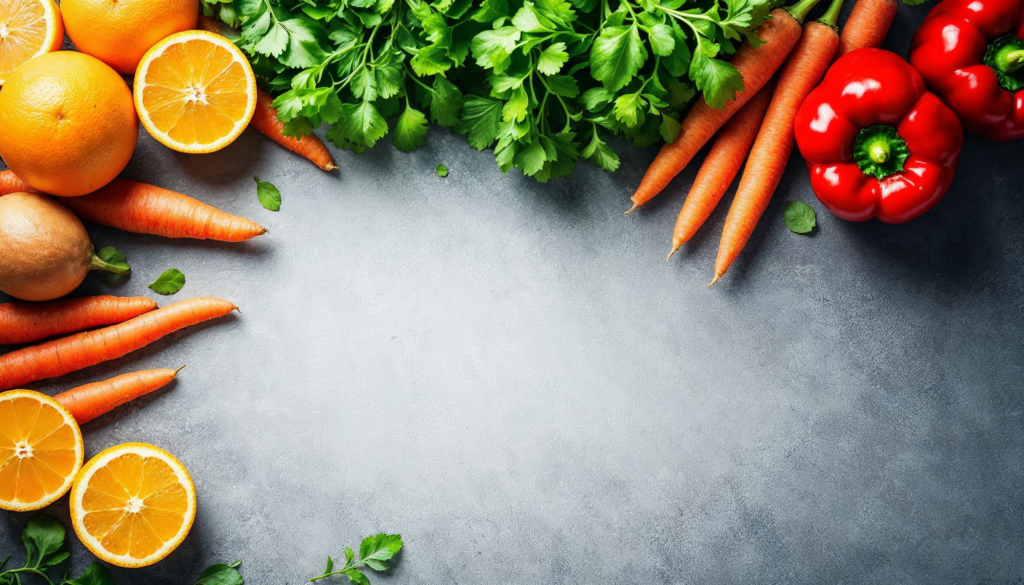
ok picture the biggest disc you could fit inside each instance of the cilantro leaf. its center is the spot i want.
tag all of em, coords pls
(800, 218)
(169, 282)
(481, 119)
(410, 130)
(441, 170)
(718, 80)
(269, 196)
(616, 56)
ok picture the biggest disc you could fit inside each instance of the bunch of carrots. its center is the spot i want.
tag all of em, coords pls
(757, 126)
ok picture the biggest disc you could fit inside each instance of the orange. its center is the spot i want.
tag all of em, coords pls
(133, 504)
(40, 450)
(195, 92)
(67, 123)
(119, 32)
(28, 28)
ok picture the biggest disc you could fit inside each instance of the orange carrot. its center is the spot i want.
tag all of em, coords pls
(867, 25)
(10, 183)
(27, 322)
(146, 209)
(265, 120)
(804, 69)
(94, 400)
(779, 34)
(72, 353)
(720, 167)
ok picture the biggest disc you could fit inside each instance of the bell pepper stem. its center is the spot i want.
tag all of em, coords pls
(800, 9)
(831, 15)
(879, 152)
(1011, 60)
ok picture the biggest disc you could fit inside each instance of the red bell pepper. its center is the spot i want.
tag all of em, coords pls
(971, 53)
(877, 142)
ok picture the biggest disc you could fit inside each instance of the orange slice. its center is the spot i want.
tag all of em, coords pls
(40, 450)
(28, 28)
(195, 91)
(133, 504)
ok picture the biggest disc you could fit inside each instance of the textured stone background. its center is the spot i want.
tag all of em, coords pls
(512, 377)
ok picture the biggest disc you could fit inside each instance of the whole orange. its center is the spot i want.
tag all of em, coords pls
(119, 32)
(67, 123)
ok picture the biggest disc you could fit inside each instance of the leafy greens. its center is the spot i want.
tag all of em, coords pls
(542, 82)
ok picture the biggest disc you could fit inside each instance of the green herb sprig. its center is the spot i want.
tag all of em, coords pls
(375, 552)
(542, 82)
(43, 539)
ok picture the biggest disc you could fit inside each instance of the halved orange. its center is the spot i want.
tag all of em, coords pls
(195, 91)
(28, 28)
(40, 450)
(133, 504)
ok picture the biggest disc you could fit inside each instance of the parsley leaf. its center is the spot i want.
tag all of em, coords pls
(442, 171)
(169, 282)
(376, 552)
(269, 196)
(800, 218)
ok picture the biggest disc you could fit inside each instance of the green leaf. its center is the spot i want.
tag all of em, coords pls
(97, 574)
(356, 577)
(629, 109)
(43, 537)
(410, 130)
(381, 548)
(274, 42)
(431, 60)
(517, 106)
(349, 555)
(663, 40)
(222, 574)
(303, 44)
(552, 58)
(364, 84)
(669, 128)
(445, 102)
(616, 56)
(492, 48)
(442, 171)
(563, 85)
(718, 80)
(481, 119)
(169, 282)
(594, 99)
(115, 258)
(800, 218)
(269, 196)
(361, 124)
(600, 154)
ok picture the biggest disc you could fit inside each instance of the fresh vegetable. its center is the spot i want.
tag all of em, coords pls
(770, 153)
(542, 82)
(441, 170)
(46, 250)
(375, 552)
(971, 53)
(43, 538)
(42, 450)
(67, 123)
(28, 322)
(757, 63)
(140, 486)
(877, 143)
(94, 400)
(10, 183)
(147, 209)
(867, 25)
(69, 354)
(265, 119)
(268, 194)
(800, 218)
(720, 167)
(169, 282)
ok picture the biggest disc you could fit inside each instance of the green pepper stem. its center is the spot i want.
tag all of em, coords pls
(831, 15)
(1011, 60)
(96, 263)
(879, 151)
(800, 9)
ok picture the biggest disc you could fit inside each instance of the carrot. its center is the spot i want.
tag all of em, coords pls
(146, 209)
(867, 25)
(265, 120)
(10, 183)
(94, 400)
(779, 35)
(804, 69)
(720, 167)
(72, 353)
(27, 322)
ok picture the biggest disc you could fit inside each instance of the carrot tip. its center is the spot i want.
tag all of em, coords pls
(672, 253)
(717, 276)
(178, 370)
(330, 167)
(630, 210)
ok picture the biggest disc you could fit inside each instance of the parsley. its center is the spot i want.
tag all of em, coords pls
(442, 171)
(269, 196)
(169, 282)
(43, 538)
(376, 552)
(542, 82)
(800, 218)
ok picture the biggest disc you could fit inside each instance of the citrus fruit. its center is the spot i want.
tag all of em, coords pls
(40, 450)
(195, 91)
(28, 28)
(119, 32)
(133, 504)
(67, 123)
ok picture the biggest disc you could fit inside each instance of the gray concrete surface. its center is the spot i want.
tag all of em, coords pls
(512, 377)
